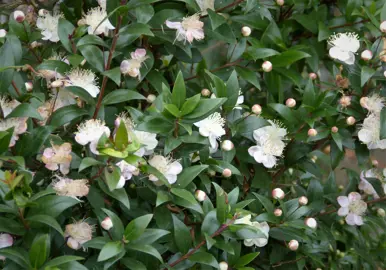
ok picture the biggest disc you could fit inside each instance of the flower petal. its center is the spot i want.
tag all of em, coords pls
(354, 196)
(173, 25)
(350, 219)
(343, 201)
(343, 211)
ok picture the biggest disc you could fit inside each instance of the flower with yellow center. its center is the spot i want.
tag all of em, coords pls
(78, 233)
(70, 188)
(191, 28)
(58, 157)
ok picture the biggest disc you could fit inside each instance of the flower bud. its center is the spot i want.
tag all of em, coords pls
(340, 187)
(84, 61)
(227, 173)
(334, 129)
(327, 149)
(293, 245)
(341, 222)
(107, 224)
(19, 16)
(382, 27)
(267, 66)
(280, 2)
(303, 200)
(345, 101)
(350, 121)
(205, 92)
(125, 66)
(57, 83)
(381, 212)
(311, 222)
(29, 86)
(363, 101)
(246, 31)
(43, 12)
(314, 159)
(151, 98)
(366, 55)
(278, 193)
(256, 109)
(312, 132)
(312, 76)
(211, 173)
(3, 33)
(278, 212)
(6, 240)
(384, 73)
(72, 243)
(227, 145)
(200, 195)
(223, 266)
(290, 103)
(375, 163)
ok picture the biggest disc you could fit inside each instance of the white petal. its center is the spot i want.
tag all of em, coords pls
(93, 147)
(175, 168)
(343, 211)
(212, 141)
(350, 219)
(365, 135)
(173, 25)
(253, 149)
(334, 52)
(248, 242)
(260, 242)
(121, 182)
(358, 220)
(351, 59)
(354, 196)
(172, 178)
(270, 161)
(343, 201)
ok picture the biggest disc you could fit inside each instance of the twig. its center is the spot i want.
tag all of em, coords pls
(16, 89)
(235, 3)
(25, 224)
(348, 24)
(287, 262)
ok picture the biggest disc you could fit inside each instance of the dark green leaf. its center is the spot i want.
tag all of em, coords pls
(189, 174)
(287, 58)
(204, 258)
(110, 250)
(366, 74)
(25, 110)
(47, 220)
(40, 250)
(182, 236)
(66, 114)
(94, 56)
(136, 227)
(65, 31)
(179, 91)
(121, 95)
(62, 260)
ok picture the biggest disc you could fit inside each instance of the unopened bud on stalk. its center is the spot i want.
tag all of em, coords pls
(290, 103)
(303, 200)
(227, 145)
(375, 163)
(246, 31)
(382, 27)
(311, 222)
(350, 121)
(151, 98)
(205, 92)
(366, 55)
(223, 266)
(3, 33)
(278, 212)
(28, 86)
(345, 101)
(363, 101)
(280, 2)
(227, 173)
(381, 212)
(200, 195)
(256, 109)
(312, 132)
(278, 193)
(267, 66)
(107, 224)
(334, 129)
(293, 245)
(19, 16)
(312, 76)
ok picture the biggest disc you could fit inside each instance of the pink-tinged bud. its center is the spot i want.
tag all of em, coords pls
(125, 66)
(312, 76)
(280, 2)
(384, 73)
(246, 31)
(43, 12)
(293, 245)
(267, 66)
(151, 98)
(107, 224)
(334, 129)
(56, 84)
(375, 163)
(73, 244)
(205, 92)
(345, 101)
(278, 193)
(290, 103)
(350, 121)
(227, 173)
(223, 266)
(366, 55)
(382, 27)
(29, 86)
(303, 200)
(278, 212)
(363, 101)
(227, 145)
(256, 109)
(6, 240)
(312, 132)
(3, 33)
(311, 222)
(200, 195)
(19, 16)
(381, 212)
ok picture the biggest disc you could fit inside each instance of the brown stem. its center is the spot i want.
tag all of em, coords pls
(16, 89)
(287, 262)
(176, 129)
(203, 242)
(25, 224)
(348, 24)
(235, 3)
(34, 53)
(107, 67)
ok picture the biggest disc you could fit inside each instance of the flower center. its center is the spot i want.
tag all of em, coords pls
(358, 207)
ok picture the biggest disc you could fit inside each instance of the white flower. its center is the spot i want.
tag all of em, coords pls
(19, 125)
(102, 3)
(6, 240)
(165, 165)
(270, 144)
(107, 223)
(373, 104)
(132, 66)
(240, 100)
(204, 5)
(93, 18)
(7, 106)
(212, 127)
(52, 74)
(127, 171)
(91, 131)
(365, 185)
(259, 242)
(83, 78)
(48, 24)
(369, 134)
(246, 220)
(78, 233)
(58, 157)
(344, 47)
(70, 188)
(189, 29)
(352, 207)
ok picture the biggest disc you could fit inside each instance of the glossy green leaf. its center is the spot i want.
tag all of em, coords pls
(136, 227)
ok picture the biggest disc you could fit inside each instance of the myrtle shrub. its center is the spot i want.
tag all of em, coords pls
(192, 134)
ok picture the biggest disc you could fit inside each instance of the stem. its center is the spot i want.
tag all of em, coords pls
(25, 224)
(176, 129)
(235, 3)
(348, 24)
(286, 262)
(16, 89)
(107, 67)
(203, 242)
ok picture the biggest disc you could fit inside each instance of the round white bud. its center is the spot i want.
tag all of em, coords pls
(303, 200)
(151, 98)
(382, 27)
(350, 120)
(107, 224)
(223, 266)
(312, 132)
(280, 2)
(384, 73)
(290, 103)
(293, 245)
(205, 92)
(311, 222)
(363, 101)
(227, 173)
(278, 212)
(200, 195)
(345, 101)
(278, 193)
(366, 55)
(19, 16)
(334, 129)
(256, 109)
(29, 86)
(3, 33)
(312, 76)
(267, 66)
(227, 145)
(246, 31)
(381, 212)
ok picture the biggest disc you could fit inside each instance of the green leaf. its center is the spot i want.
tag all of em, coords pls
(121, 95)
(261, 53)
(324, 32)
(119, 194)
(162, 196)
(287, 58)
(81, 93)
(51, 205)
(65, 30)
(383, 13)
(130, 33)
(249, 124)
(366, 74)
(88, 162)
(249, 75)
(244, 260)
(112, 175)
(215, 19)
(136, 227)
(232, 91)
(268, 205)
(335, 155)
(151, 170)
(61, 260)
(91, 40)
(66, 114)
(25, 110)
(204, 258)
(117, 230)
(8, 225)
(221, 204)
(94, 56)
(284, 112)
(309, 94)
(219, 86)
(132, 264)
(173, 109)
(110, 250)
(182, 236)
(17, 255)
(40, 250)
(382, 132)
(47, 220)
(186, 199)
(114, 74)
(7, 59)
(146, 249)
(189, 174)
(54, 65)
(121, 137)
(179, 91)
(205, 108)
(190, 104)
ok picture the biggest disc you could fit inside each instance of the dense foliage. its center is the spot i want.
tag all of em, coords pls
(192, 134)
